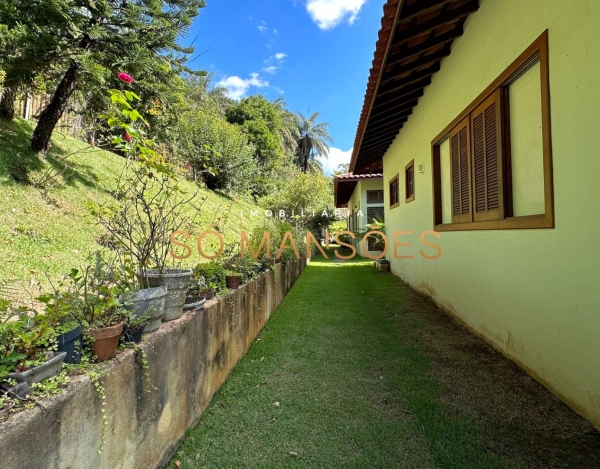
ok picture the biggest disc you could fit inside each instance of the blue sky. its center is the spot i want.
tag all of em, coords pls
(315, 53)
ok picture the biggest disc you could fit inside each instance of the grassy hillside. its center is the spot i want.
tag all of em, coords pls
(49, 230)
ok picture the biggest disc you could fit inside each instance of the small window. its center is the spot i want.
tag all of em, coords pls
(394, 195)
(375, 197)
(375, 214)
(409, 178)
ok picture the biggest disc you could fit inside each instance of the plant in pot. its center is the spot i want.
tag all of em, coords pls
(203, 286)
(133, 327)
(143, 302)
(145, 214)
(196, 295)
(100, 306)
(213, 274)
(28, 338)
(234, 268)
(62, 310)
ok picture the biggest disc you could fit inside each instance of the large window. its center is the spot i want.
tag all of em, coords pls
(394, 192)
(492, 166)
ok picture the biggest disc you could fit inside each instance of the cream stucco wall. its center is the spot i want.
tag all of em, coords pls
(357, 202)
(534, 294)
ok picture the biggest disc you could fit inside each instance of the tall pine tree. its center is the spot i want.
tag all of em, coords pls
(106, 36)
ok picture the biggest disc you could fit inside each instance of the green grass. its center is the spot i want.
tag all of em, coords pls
(51, 230)
(352, 381)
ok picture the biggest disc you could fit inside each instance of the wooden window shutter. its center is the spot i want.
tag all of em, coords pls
(460, 150)
(375, 214)
(375, 197)
(488, 183)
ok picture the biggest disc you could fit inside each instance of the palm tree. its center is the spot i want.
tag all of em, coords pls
(315, 167)
(314, 139)
(288, 132)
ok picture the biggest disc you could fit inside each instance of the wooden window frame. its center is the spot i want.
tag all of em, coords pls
(409, 197)
(372, 220)
(379, 191)
(394, 180)
(534, 54)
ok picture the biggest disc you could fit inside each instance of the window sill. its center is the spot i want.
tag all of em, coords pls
(516, 223)
(410, 199)
(395, 205)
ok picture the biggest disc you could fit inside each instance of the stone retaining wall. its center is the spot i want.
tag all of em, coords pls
(189, 360)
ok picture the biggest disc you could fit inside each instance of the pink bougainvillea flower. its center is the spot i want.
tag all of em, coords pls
(125, 77)
(127, 137)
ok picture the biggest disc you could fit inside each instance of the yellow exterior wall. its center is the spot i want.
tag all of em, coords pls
(359, 199)
(533, 294)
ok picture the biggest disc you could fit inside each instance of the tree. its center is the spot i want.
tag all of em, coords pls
(314, 140)
(218, 151)
(260, 119)
(289, 132)
(342, 168)
(306, 193)
(141, 37)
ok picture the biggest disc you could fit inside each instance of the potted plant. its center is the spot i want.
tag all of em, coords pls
(212, 290)
(133, 328)
(28, 337)
(100, 306)
(213, 274)
(233, 279)
(70, 341)
(146, 214)
(61, 309)
(194, 297)
(176, 281)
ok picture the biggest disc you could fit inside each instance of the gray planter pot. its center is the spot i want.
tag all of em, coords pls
(196, 305)
(177, 282)
(47, 370)
(147, 302)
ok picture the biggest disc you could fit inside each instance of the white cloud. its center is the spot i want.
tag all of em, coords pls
(328, 14)
(271, 69)
(336, 157)
(280, 56)
(237, 87)
(262, 28)
(275, 31)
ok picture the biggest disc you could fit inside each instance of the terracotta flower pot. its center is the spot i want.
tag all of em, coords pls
(233, 281)
(106, 341)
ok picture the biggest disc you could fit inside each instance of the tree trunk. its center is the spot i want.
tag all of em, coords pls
(50, 116)
(7, 103)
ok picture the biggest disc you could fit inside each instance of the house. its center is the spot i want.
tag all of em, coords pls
(483, 116)
(362, 196)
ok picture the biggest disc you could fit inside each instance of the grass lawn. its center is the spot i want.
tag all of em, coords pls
(50, 231)
(336, 379)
